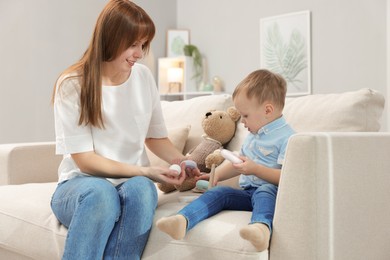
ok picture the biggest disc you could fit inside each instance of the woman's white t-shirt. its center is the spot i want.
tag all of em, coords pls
(131, 113)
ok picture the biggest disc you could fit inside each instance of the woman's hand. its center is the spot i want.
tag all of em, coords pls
(165, 175)
(192, 172)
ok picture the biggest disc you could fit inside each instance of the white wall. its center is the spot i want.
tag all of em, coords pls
(40, 38)
(348, 39)
(388, 63)
(164, 15)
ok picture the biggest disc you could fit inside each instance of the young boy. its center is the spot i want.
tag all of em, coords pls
(259, 98)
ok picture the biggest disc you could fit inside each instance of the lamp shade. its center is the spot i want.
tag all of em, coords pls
(175, 75)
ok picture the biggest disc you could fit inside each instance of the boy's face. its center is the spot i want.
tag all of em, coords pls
(253, 115)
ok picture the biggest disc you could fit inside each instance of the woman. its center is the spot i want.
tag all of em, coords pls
(106, 109)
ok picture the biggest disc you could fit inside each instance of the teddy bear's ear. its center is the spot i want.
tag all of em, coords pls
(233, 113)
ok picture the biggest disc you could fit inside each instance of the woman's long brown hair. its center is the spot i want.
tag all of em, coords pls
(120, 24)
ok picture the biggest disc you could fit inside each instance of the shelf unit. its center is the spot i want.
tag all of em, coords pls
(187, 87)
(184, 95)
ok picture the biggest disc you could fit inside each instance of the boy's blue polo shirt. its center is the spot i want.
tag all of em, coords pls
(267, 147)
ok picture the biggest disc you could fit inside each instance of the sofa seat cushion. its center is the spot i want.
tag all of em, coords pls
(214, 238)
(30, 229)
(28, 226)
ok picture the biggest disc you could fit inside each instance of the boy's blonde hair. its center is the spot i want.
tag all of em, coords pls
(263, 85)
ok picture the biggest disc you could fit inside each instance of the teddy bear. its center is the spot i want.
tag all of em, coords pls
(219, 128)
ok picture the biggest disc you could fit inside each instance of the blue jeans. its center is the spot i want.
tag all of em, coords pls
(260, 200)
(105, 221)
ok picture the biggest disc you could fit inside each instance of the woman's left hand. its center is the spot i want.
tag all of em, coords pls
(165, 175)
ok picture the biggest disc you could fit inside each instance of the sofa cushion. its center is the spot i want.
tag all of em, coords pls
(355, 111)
(191, 112)
(214, 238)
(30, 229)
(238, 139)
(178, 136)
(28, 226)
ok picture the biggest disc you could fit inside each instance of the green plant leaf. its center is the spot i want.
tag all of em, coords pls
(193, 51)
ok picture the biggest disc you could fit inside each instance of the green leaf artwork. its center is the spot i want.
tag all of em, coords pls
(177, 45)
(287, 58)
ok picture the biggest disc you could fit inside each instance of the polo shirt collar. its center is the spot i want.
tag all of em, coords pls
(272, 126)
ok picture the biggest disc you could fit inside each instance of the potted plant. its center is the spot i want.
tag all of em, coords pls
(192, 51)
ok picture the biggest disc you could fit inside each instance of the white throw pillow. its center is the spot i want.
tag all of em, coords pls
(178, 137)
(191, 112)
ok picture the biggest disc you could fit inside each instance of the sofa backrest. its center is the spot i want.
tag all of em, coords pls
(355, 111)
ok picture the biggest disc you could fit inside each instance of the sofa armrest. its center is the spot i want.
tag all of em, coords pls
(28, 162)
(333, 197)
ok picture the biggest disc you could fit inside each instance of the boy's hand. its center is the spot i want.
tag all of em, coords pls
(247, 167)
(203, 176)
(165, 175)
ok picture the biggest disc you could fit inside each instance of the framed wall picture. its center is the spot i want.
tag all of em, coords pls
(176, 39)
(285, 48)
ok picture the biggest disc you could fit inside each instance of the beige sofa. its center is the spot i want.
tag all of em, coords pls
(333, 200)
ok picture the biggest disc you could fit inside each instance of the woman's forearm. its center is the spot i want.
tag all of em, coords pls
(164, 149)
(97, 165)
